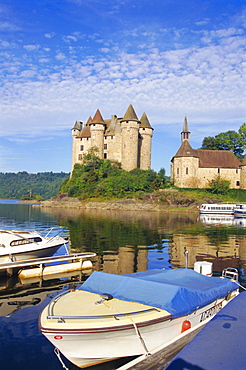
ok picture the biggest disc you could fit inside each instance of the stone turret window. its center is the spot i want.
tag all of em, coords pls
(187, 170)
(105, 155)
(237, 183)
(105, 146)
(236, 170)
(80, 157)
(218, 170)
(177, 171)
(81, 147)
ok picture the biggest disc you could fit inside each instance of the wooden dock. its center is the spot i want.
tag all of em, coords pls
(37, 267)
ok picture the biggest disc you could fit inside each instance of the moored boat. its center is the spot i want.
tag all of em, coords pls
(240, 210)
(112, 316)
(217, 208)
(21, 245)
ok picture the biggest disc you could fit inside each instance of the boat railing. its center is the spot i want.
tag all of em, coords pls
(115, 315)
(230, 273)
(48, 231)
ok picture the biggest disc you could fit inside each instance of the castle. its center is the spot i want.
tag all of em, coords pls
(126, 140)
(194, 168)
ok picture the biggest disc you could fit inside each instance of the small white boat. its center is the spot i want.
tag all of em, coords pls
(240, 210)
(112, 316)
(217, 208)
(22, 245)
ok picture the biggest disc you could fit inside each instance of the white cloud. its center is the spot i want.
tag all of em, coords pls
(31, 47)
(207, 83)
(60, 56)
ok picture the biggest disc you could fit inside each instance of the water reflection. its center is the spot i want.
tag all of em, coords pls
(125, 242)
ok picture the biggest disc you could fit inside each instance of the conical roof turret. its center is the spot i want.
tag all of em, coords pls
(77, 126)
(130, 114)
(145, 121)
(98, 118)
(89, 121)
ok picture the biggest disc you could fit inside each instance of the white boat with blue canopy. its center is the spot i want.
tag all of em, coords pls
(112, 316)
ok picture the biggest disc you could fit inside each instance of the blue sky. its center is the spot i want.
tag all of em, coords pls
(63, 59)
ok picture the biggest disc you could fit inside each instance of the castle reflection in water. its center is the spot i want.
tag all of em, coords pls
(127, 242)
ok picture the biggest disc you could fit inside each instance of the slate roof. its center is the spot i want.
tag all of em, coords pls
(217, 159)
(186, 150)
(145, 121)
(209, 158)
(112, 125)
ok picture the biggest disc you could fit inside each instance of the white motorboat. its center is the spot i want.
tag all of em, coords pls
(112, 316)
(22, 245)
(217, 208)
(240, 210)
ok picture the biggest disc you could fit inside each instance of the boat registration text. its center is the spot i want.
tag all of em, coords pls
(210, 312)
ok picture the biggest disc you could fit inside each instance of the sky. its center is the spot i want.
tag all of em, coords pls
(61, 60)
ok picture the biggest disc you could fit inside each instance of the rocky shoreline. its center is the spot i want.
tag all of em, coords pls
(166, 200)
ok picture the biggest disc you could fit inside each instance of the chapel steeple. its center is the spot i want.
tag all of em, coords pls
(185, 134)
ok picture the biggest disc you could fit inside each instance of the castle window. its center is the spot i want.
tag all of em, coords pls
(81, 147)
(187, 170)
(105, 155)
(177, 171)
(218, 170)
(236, 170)
(112, 137)
(105, 146)
(79, 157)
(237, 183)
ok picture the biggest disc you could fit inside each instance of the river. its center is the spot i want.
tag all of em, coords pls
(124, 242)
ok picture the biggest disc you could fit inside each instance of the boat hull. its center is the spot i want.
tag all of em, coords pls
(92, 345)
(29, 254)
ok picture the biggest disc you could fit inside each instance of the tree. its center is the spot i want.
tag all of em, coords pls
(231, 140)
(210, 143)
(219, 185)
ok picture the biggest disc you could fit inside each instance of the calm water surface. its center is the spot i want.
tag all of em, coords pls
(125, 242)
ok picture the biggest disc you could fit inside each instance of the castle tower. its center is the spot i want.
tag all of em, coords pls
(145, 141)
(76, 130)
(243, 174)
(130, 131)
(97, 128)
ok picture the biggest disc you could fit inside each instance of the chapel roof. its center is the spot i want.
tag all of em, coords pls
(186, 150)
(217, 159)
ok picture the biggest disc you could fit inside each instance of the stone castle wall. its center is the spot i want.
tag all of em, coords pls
(123, 140)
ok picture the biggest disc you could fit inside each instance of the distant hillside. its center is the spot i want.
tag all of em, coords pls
(17, 185)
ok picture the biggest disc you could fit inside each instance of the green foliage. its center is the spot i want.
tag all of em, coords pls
(22, 184)
(219, 185)
(210, 143)
(230, 140)
(97, 177)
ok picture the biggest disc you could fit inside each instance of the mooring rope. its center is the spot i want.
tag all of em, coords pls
(58, 354)
(147, 353)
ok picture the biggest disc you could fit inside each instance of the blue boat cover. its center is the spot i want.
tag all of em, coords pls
(179, 292)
